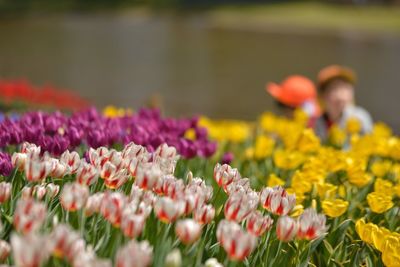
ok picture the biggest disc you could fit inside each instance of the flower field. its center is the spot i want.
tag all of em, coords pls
(123, 188)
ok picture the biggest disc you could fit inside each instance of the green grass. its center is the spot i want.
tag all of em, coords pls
(317, 16)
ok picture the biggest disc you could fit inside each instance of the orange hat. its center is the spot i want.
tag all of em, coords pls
(332, 72)
(293, 91)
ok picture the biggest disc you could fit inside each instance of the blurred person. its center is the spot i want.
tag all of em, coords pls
(336, 92)
(295, 92)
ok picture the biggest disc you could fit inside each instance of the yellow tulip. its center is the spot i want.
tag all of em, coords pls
(297, 210)
(353, 125)
(379, 238)
(379, 203)
(190, 134)
(337, 136)
(300, 183)
(286, 159)
(308, 141)
(384, 187)
(335, 207)
(274, 180)
(264, 146)
(381, 168)
(326, 190)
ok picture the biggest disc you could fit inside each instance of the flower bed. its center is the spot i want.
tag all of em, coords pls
(143, 190)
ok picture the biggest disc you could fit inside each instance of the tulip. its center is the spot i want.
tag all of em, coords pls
(311, 225)
(257, 224)
(39, 191)
(64, 241)
(196, 185)
(74, 196)
(58, 169)
(277, 200)
(18, 160)
(5, 250)
(378, 202)
(132, 224)
(108, 170)
(88, 258)
(37, 169)
(134, 254)
(168, 210)
(147, 177)
(240, 205)
(239, 186)
(225, 174)
(93, 204)
(334, 207)
(172, 187)
(138, 162)
(112, 206)
(204, 214)
(173, 259)
(30, 250)
(117, 179)
(52, 190)
(237, 243)
(212, 262)
(72, 160)
(187, 231)
(29, 215)
(5, 191)
(87, 174)
(286, 228)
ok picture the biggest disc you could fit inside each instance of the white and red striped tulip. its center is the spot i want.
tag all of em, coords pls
(188, 231)
(93, 204)
(277, 200)
(29, 250)
(87, 174)
(147, 176)
(168, 210)
(286, 228)
(257, 224)
(72, 160)
(74, 196)
(134, 254)
(5, 191)
(311, 224)
(204, 214)
(237, 243)
(240, 205)
(112, 206)
(225, 175)
(29, 215)
(131, 223)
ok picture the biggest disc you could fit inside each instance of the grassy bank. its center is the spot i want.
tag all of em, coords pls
(310, 16)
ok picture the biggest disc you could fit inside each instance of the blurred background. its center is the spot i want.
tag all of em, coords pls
(201, 56)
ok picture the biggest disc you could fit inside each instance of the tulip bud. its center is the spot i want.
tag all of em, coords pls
(286, 228)
(237, 243)
(5, 191)
(311, 224)
(277, 200)
(74, 196)
(173, 259)
(240, 205)
(188, 231)
(147, 177)
(225, 174)
(204, 214)
(52, 190)
(117, 179)
(37, 169)
(71, 159)
(39, 191)
(257, 224)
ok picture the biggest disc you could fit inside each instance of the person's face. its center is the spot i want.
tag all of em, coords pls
(337, 97)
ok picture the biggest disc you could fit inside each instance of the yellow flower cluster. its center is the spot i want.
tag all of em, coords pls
(113, 112)
(382, 239)
(227, 130)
